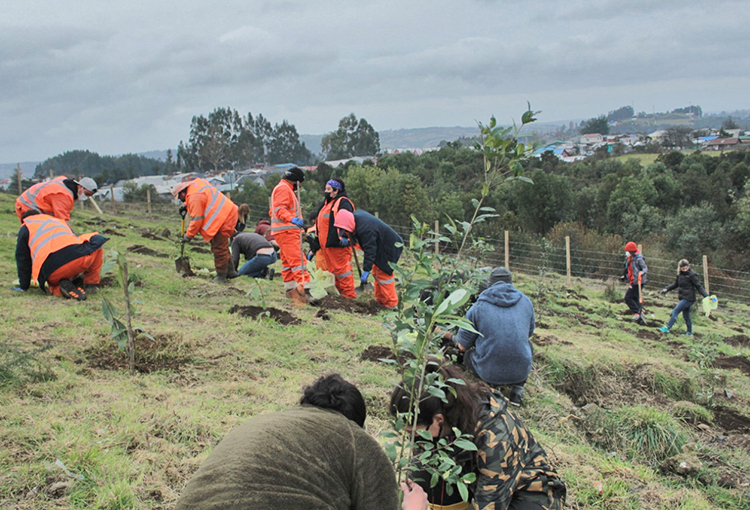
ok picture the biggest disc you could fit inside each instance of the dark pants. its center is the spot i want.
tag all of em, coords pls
(525, 500)
(220, 248)
(683, 307)
(256, 266)
(631, 298)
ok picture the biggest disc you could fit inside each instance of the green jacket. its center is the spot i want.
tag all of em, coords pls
(301, 458)
(510, 460)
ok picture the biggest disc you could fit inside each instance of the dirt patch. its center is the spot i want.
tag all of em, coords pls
(377, 353)
(729, 419)
(137, 248)
(280, 316)
(349, 305)
(149, 235)
(196, 249)
(645, 334)
(738, 340)
(107, 281)
(110, 232)
(323, 315)
(542, 325)
(165, 352)
(575, 295)
(729, 362)
(545, 340)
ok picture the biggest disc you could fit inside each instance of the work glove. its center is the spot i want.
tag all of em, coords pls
(664, 290)
(21, 290)
(310, 255)
(297, 221)
(186, 239)
(344, 241)
(363, 278)
(183, 210)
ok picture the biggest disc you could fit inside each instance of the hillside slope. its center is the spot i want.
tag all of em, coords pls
(615, 404)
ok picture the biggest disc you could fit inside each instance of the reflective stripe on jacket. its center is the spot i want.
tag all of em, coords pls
(284, 207)
(209, 209)
(47, 235)
(40, 197)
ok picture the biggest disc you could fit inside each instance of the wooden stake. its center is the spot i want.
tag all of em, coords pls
(437, 234)
(18, 174)
(148, 200)
(567, 257)
(507, 250)
(112, 191)
(705, 273)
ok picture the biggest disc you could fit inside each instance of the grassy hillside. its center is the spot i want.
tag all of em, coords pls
(619, 407)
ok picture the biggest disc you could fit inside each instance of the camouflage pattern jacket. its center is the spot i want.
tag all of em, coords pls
(510, 460)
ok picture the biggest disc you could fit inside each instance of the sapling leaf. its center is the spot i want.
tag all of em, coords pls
(465, 444)
(424, 435)
(463, 491)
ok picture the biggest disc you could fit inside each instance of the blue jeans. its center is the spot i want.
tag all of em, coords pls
(256, 266)
(682, 307)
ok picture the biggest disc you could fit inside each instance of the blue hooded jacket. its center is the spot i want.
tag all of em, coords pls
(505, 318)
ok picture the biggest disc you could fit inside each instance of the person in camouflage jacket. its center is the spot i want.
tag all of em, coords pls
(513, 471)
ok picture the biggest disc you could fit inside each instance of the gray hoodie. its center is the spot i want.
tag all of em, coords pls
(505, 318)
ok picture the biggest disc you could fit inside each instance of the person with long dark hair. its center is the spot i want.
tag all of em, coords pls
(315, 455)
(513, 471)
(687, 282)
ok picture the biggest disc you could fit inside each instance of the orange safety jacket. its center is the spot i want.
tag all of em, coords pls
(48, 196)
(209, 209)
(47, 235)
(284, 207)
(324, 224)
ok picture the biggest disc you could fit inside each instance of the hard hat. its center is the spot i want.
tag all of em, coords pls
(179, 187)
(344, 220)
(88, 184)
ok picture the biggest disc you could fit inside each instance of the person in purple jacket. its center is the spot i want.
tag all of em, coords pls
(501, 355)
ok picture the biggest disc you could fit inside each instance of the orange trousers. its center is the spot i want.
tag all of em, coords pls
(339, 262)
(90, 265)
(384, 287)
(293, 267)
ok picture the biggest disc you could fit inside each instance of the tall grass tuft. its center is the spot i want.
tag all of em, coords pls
(644, 433)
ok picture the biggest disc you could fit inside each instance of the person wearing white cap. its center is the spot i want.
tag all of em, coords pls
(55, 197)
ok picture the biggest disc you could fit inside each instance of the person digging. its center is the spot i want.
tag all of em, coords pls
(212, 215)
(287, 228)
(49, 252)
(55, 197)
(259, 255)
(635, 274)
(381, 246)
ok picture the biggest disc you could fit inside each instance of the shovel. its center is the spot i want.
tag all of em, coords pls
(363, 286)
(640, 300)
(182, 264)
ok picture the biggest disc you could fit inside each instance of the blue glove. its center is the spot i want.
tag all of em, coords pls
(18, 289)
(344, 241)
(297, 221)
(310, 255)
(365, 275)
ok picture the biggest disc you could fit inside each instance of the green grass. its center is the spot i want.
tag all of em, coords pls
(136, 440)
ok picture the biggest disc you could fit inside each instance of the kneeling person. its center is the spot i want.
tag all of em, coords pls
(258, 252)
(49, 252)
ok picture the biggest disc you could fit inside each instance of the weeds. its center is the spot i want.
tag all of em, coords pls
(18, 365)
(644, 433)
(704, 351)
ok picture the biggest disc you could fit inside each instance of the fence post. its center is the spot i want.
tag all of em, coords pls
(112, 191)
(437, 234)
(51, 173)
(377, 214)
(507, 250)
(705, 273)
(18, 175)
(567, 258)
(148, 200)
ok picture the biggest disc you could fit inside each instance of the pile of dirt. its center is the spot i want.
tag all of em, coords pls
(731, 420)
(738, 340)
(110, 232)
(729, 362)
(197, 249)
(138, 248)
(545, 340)
(376, 353)
(149, 235)
(645, 334)
(165, 352)
(280, 316)
(349, 305)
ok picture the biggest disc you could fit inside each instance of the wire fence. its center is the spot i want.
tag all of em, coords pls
(535, 257)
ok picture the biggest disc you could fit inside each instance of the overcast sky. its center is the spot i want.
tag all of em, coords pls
(118, 77)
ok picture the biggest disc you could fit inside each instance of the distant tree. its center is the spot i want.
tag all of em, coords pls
(596, 125)
(352, 138)
(677, 137)
(624, 113)
(695, 110)
(285, 147)
(729, 123)
(693, 231)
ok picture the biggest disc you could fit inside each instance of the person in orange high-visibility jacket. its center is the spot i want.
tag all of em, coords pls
(381, 245)
(55, 197)
(212, 215)
(286, 225)
(338, 256)
(49, 252)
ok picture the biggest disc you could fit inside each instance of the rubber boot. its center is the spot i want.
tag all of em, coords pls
(297, 296)
(231, 271)
(220, 278)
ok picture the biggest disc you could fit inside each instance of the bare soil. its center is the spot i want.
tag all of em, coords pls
(731, 420)
(349, 305)
(198, 249)
(150, 356)
(729, 362)
(738, 340)
(376, 353)
(648, 335)
(138, 248)
(149, 235)
(110, 232)
(280, 316)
